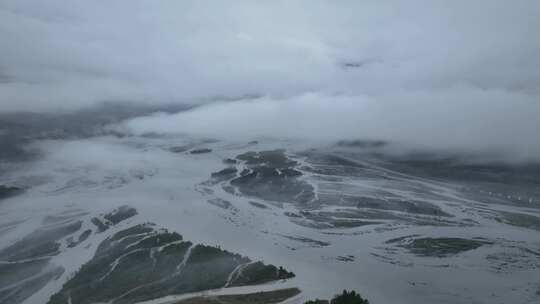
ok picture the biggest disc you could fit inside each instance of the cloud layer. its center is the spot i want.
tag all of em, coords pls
(464, 72)
(76, 53)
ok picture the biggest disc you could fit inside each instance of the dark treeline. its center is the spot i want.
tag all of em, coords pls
(346, 297)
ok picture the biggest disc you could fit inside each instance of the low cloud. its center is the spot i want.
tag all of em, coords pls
(459, 119)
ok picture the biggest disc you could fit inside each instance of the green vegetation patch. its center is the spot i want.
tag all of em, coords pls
(7, 191)
(438, 247)
(519, 220)
(265, 297)
(346, 297)
(258, 273)
(141, 263)
(40, 243)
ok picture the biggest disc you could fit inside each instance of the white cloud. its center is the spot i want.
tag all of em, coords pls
(460, 119)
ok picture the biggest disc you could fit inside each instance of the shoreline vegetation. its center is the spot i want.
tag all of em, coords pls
(346, 297)
(273, 297)
(144, 262)
(261, 297)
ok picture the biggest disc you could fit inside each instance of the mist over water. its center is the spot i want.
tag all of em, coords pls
(455, 122)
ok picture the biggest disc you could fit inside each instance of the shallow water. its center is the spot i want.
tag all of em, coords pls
(169, 189)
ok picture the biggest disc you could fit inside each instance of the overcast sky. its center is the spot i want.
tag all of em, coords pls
(462, 72)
